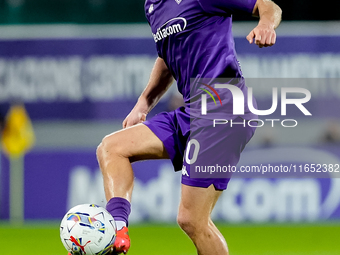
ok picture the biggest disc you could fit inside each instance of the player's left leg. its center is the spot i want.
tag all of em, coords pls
(194, 218)
(218, 146)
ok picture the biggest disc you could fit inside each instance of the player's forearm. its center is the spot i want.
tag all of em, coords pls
(269, 13)
(159, 82)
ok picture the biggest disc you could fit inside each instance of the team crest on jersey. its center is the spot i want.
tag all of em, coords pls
(178, 1)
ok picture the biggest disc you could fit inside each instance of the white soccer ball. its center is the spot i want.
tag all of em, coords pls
(88, 229)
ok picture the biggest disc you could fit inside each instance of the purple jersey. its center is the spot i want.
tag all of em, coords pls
(194, 38)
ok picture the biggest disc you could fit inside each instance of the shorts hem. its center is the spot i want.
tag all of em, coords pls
(205, 184)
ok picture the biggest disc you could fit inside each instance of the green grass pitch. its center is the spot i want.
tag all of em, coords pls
(160, 239)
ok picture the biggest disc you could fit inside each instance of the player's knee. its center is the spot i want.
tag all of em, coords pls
(99, 153)
(187, 224)
(108, 148)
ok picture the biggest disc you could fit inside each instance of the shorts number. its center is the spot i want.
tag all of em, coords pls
(196, 145)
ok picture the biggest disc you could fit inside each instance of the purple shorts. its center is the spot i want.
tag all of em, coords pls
(195, 145)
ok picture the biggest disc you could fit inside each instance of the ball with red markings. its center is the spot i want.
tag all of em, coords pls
(88, 229)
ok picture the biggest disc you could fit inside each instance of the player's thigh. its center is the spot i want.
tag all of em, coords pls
(197, 204)
(136, 143)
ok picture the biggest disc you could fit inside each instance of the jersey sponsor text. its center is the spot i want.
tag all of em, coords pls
(166, 30)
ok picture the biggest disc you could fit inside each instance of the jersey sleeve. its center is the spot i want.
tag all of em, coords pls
(227, 6)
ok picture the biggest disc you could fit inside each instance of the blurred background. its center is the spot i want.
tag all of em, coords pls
(75, 69)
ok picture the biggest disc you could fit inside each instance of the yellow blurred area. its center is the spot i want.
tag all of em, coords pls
(18, 135)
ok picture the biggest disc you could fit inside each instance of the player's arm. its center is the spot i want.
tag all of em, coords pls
(159, 82)
(270, 18)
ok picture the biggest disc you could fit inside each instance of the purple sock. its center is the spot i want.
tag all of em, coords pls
(119, 208)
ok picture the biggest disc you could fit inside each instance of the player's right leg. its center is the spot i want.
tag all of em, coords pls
(115, 155)
(118, 150)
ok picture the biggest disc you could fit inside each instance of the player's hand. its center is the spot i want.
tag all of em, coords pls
(263, 35)
(135, 116)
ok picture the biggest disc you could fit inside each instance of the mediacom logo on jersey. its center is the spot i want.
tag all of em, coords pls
(172, 26)
(239, 102)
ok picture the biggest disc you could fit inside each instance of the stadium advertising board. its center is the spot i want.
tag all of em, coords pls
(101, 78)
(63, 179)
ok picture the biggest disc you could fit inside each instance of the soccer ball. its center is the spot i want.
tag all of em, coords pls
(88, 229)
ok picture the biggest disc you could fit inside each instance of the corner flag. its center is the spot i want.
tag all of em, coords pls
(17, 136)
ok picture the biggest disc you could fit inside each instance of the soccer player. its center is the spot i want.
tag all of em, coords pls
(195, 47)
